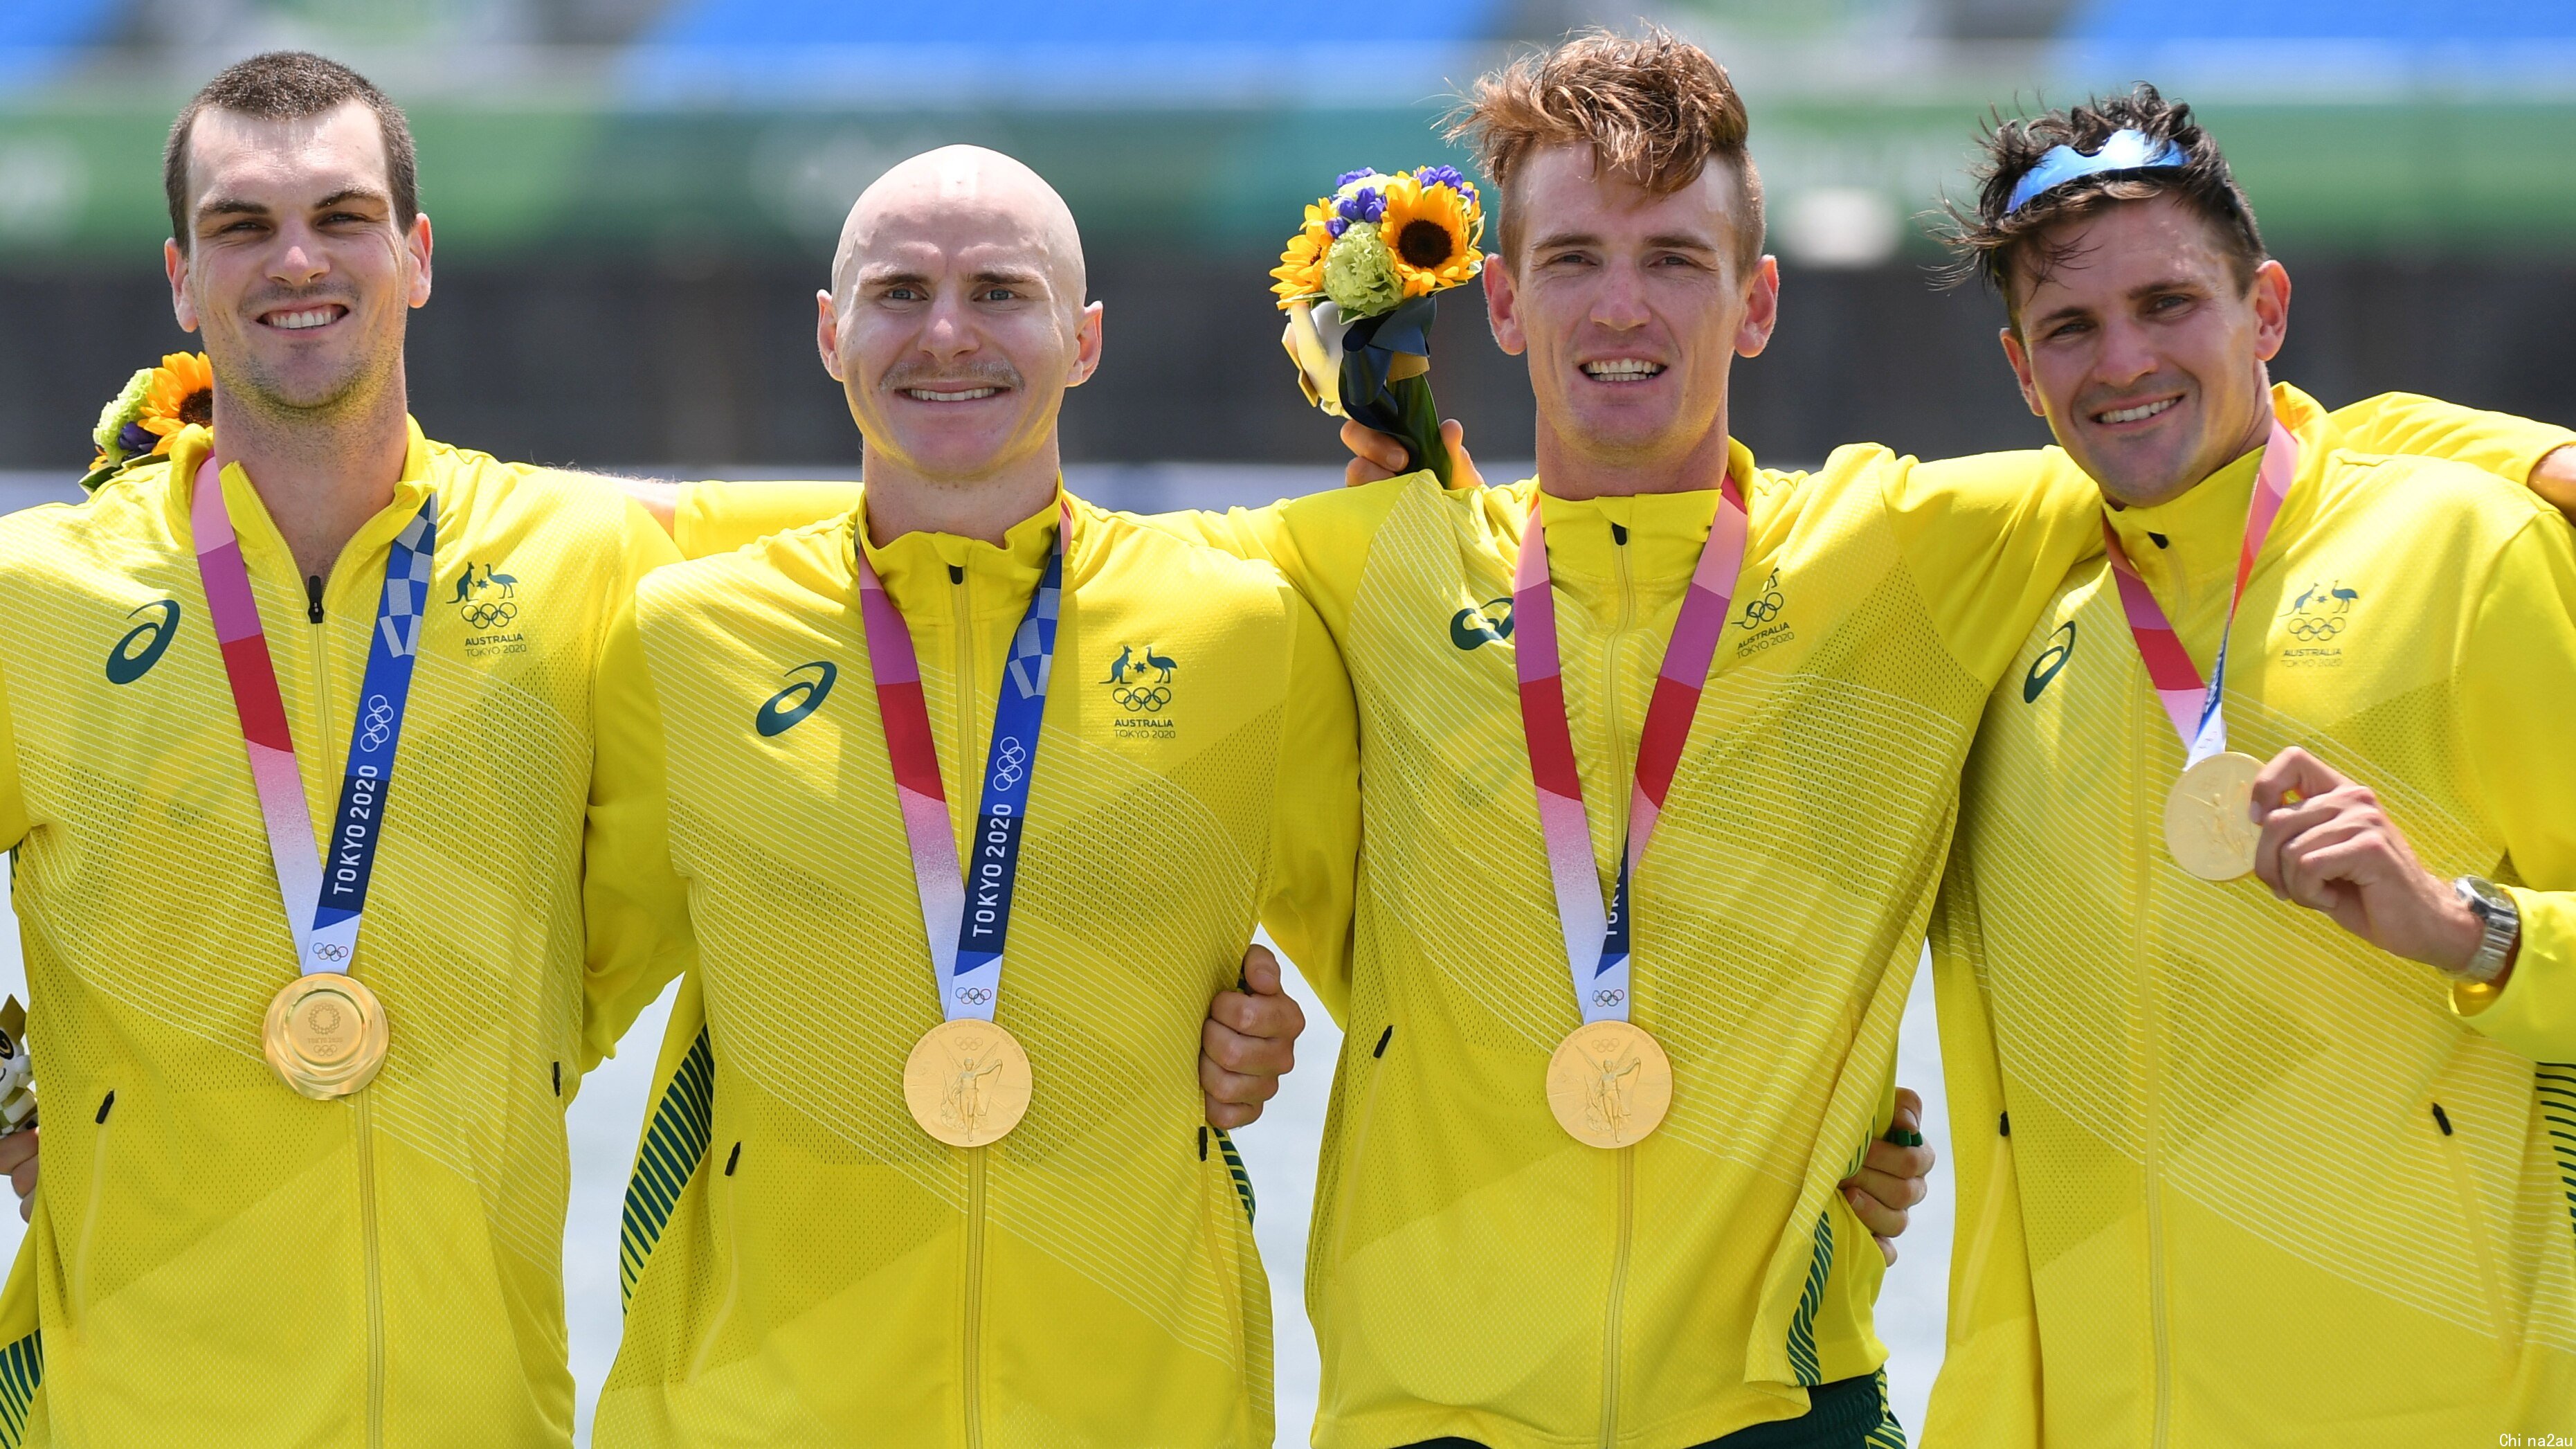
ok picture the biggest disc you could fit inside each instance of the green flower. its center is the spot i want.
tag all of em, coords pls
(125, 408)
(1359, 273)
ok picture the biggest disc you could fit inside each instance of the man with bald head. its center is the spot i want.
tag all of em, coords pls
(928, 1162)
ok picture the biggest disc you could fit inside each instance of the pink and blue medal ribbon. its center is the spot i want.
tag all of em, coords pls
(967, 917)
(1596, 941)
(2199, 710)
(326, 900)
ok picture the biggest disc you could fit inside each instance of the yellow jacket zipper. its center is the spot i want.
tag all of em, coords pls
(971, 1379)
(1616, 802)
(2150, 1089)
(361, 1115)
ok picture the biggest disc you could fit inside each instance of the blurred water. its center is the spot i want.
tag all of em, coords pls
(1280, 1149)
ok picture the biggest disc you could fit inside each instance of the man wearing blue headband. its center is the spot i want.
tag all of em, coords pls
(2233, 1171)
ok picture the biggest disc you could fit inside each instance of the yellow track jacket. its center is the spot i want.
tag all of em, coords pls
(1472, 1271)
(806, 1265)
(2227, 1175)
(214, 1259)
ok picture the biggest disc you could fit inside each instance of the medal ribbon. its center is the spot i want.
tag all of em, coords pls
(966, 939)
(325, 905)
(1596, 942)
(2199, 710)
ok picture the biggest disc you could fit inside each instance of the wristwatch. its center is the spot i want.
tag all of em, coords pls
(2500, 922)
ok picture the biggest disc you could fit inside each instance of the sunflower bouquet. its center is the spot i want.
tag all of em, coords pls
(143, 418)
(1358, 282)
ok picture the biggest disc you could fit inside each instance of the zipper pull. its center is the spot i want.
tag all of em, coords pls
(1619, 534)
(313, 597)
(956, 574)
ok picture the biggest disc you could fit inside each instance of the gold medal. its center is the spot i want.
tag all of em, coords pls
(325, 1035)
(2207, 824)
(1609, 1083)
(967, 1082)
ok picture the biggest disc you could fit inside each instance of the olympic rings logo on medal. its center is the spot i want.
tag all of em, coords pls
(379, 724)
(1014, 766)
(1138, 701)
(975, 995)
(330, 951)
(1609, 996)
(499, 614)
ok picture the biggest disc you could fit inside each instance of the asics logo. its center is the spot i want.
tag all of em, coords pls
(781, 711)
(126, 663)
(2061, 647)
(1477, 627)
(1014, 766)
(379, 724)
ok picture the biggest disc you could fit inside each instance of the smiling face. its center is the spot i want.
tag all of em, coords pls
(956, 318)
(2144, 350)
(1631, 308)
(296, 271)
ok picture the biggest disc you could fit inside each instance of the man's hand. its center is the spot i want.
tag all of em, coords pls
(18, 1159)
(2554, 478)
(1376, 456)
(2328, 846)
(1249, 1042)
(1891, 1176)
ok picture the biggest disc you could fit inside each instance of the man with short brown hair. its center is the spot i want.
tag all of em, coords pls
(2252, 1174)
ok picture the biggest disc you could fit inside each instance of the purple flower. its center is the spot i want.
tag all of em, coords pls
(136, 438)
(1337, 226)
(1347, 177)
(1366, 204)
(1444, 176)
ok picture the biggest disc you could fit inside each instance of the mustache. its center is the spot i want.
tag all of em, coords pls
(991, 372)
(278, 299)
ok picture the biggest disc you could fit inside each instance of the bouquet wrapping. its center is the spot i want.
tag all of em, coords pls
(1359, 282)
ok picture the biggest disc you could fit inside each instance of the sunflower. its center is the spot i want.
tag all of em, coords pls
(181, 393)
(1301, 266)
(152, 407)
(1432, 224)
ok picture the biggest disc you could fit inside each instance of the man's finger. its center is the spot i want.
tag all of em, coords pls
(1230, 1115)
(2292, 772)
(1886, 1249)
(1909, 1111)
(1237, 1087)
(1881, 1220)
(22, 1178)
(1260, 974)
(1894, 1189)
(2283, 825)
(1275, 1016)
(1252, 1055)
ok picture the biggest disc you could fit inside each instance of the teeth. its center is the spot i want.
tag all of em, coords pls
(297, 321)
(2137, 414)
(1622, 369)
(969, 395)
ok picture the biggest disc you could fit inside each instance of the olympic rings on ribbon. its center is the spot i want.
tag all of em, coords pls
(380, 724)
(1014, 757)
(330, 951)
(975, 995)
(1611, 997)
(1138, 701)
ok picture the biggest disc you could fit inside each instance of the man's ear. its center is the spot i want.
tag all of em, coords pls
(1501, 299)
(1761, 309)
(2020, 361)
(2271, 298)
(182, 306)
(827, 334)
(1086, 342)
(418, 241)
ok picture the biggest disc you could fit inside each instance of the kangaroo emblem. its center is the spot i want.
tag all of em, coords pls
(1118, 668)
(468, 586)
